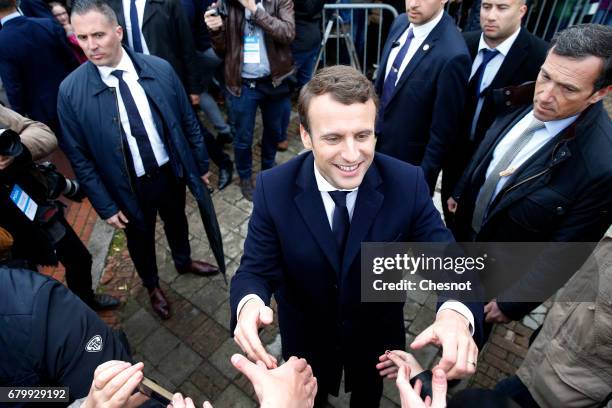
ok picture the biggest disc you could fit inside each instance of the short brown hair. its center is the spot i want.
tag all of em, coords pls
(345, 84)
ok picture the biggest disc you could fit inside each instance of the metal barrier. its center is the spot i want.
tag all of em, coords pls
(344, 23)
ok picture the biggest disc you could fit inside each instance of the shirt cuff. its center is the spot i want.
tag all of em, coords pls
(458, 307)
(246, 299)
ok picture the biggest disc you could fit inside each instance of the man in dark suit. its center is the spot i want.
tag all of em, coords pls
(334, 198)
(543, 171)
(503, 54)
(421, 82)
(35, 60)
(134, 144)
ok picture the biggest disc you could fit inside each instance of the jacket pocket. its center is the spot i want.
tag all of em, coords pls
(540, 210)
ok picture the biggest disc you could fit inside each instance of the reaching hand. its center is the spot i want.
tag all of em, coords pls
(451, 204)
(459, 352)
(411, 397)
(291, 385)
(254, 314)
(213, 21)
(391, 361)
(113, 386)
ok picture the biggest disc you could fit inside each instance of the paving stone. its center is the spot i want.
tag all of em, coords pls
(390, 391)
(245, 386)
(210, 297)
(207, 338)
(530, 323)
(419, 296)
(424, 318)
(160, 343)
(233, 397)
(186, 319)
(426, 355)
(179, 364)
(139, 326)
(245, 205)
(187, 284)
(165, 266)
(233, 244)
(210, 380)
(232, 218)
(221, 358)
(130, 307)
(161, 379)
(188, 389)
(222, 315)
(410, 311)
(232, 193)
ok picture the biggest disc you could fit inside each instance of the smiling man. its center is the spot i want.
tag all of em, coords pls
(543, 171)
(309, 219)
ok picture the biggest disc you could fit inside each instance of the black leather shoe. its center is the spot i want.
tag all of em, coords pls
(199, 268)
(246, 187)
(225, 176)
(104, 302)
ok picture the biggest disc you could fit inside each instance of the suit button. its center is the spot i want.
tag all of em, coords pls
(508, 92)
(560, 210)
(508, 103)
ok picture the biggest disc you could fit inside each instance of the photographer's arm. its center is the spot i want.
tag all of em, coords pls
(36, 136)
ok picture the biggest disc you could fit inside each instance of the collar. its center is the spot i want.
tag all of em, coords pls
(554, 127)
(422, 31)
(503, 48)
(125, 64)
(9, 17)
(325, 185)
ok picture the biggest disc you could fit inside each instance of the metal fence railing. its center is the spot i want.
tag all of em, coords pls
(355, 34)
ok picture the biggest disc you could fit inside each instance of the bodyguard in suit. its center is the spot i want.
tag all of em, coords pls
(309, 219)
(421, 82)
(543, 171)
(35, 59)
(503, 54)
(134, 143)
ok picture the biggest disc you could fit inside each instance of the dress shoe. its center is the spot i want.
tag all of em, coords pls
(282, 146)
(225, 176)
(225, 138)
(246, 187)
(199, 268)
(160, 304)
(103, 302)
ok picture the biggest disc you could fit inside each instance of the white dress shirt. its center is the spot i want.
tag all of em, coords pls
(491, 69)
(325, 187)
(420, 34)
(142, 103)
(539, 139)
(140, 8)
(9, 17)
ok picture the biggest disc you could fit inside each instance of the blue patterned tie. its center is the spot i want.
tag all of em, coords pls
(340, 220)
(389, 84)
(136, 125)
(487, 56)
(136, 42)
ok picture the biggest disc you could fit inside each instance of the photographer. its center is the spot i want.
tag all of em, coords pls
(30, 210)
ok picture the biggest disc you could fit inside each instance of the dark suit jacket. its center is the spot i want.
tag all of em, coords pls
(421, 119)
(563, 193)
(521, 65)
(290, 252)
(168, 36)
(35, 59)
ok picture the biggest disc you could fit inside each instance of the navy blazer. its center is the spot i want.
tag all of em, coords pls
(421, 120)
(35, 60)
(290, 252)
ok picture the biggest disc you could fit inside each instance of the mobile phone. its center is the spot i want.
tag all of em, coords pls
(212, 12)
(155, 391)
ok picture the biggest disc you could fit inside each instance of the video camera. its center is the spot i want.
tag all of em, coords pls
(55, 183)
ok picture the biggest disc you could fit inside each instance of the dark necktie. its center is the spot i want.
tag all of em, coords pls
(391, 79)
(340, 221)
(487, 56)
(136, 125)
(136, 42)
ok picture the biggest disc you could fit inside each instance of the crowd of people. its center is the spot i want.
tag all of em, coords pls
(514, 127)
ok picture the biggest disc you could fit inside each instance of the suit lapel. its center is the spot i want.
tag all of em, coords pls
(310, 205)
(151, 8)
(425, 48)
(393, 37)
(369, 201)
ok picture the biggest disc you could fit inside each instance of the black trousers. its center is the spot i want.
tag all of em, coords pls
(214, 148)
(158, 193)
(75, 257)
(366, 389)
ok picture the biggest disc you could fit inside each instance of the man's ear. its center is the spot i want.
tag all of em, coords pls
(599, 95)
(119, 31)
(306, 140)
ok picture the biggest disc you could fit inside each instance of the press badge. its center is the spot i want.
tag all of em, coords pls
(251, 49)
(23, 201)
